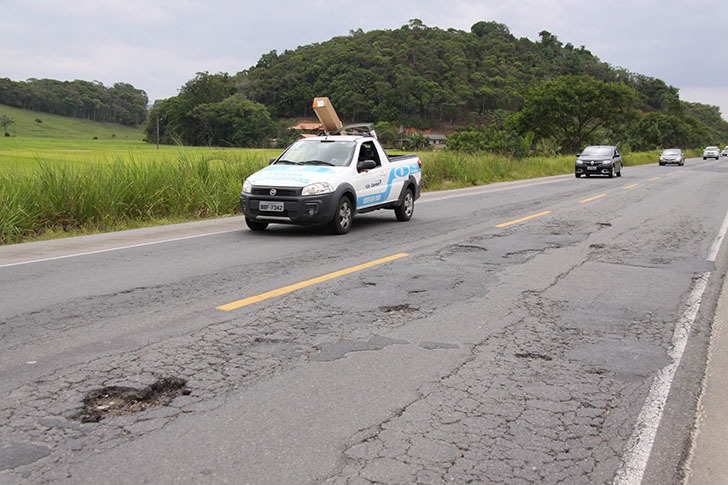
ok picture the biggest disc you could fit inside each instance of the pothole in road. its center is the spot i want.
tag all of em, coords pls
(532, 356)
(121, 401)
(398, 309)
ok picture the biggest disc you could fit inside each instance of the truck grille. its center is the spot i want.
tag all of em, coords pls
(279, 192)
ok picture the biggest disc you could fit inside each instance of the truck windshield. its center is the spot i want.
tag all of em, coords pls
(597, 152)
(319, 152)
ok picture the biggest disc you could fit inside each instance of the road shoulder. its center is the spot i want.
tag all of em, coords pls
(707, 458)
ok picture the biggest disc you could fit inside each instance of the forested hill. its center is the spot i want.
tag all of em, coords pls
(426, 75)
(121, 103)
(447, 80)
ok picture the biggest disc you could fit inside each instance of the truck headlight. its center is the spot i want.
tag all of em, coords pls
(317, 189)
(247, 187)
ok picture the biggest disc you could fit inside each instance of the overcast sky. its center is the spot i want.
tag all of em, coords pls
(159, 45)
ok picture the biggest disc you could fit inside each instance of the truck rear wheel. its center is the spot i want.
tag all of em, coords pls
(341, 223)
(406, 209)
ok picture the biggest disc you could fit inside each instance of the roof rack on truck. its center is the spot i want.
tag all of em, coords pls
(326, 114)
(365, 129)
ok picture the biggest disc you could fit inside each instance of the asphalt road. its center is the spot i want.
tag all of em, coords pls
(547, 331)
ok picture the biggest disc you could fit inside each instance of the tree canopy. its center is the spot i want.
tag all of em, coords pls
(577, 110)
(209, 112)
(121, 103)
(6, 121)
(496, 91)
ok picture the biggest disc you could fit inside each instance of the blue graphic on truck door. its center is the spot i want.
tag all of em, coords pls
(381, 196)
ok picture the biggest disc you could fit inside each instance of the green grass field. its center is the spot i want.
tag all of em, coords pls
(95, 177)
(29, 124)
(27, 154)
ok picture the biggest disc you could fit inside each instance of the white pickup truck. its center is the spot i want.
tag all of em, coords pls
(328, 179)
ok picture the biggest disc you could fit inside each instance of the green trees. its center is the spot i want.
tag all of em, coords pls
(494, 91)
(209, 112)
(127, 105)
(469, 82)
(417, 75)
(577, 110)
(5, 122)
(122, 103)
(660, 130)
(235, 121)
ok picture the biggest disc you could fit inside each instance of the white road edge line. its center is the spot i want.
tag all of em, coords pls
(118, 248)
(640, 443)
(713, 253)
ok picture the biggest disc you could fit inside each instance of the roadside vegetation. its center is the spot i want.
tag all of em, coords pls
(52, 188)
(48, 192)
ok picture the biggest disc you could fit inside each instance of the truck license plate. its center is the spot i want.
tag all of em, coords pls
(271, 206)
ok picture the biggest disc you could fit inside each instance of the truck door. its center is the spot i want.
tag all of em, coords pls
(371, 184)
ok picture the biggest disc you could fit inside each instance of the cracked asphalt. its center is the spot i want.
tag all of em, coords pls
(518, 355)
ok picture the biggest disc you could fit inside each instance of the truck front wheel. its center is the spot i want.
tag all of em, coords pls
(255, 225)
(406, 209)
(341, 223)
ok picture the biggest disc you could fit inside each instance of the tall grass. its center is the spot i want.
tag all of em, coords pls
(125, 192)
(445, 170)
(53, 189)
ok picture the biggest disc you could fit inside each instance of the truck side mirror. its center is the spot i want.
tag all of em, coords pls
(366, 165)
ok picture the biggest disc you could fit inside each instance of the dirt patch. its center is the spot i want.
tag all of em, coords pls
(121, 401)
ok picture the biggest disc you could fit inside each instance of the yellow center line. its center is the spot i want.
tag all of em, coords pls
(592, 198)
(630, 186)
(654, 178)
(509, 223)
(303, 284)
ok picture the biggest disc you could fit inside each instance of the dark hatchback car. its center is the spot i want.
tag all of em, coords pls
(599, 160)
